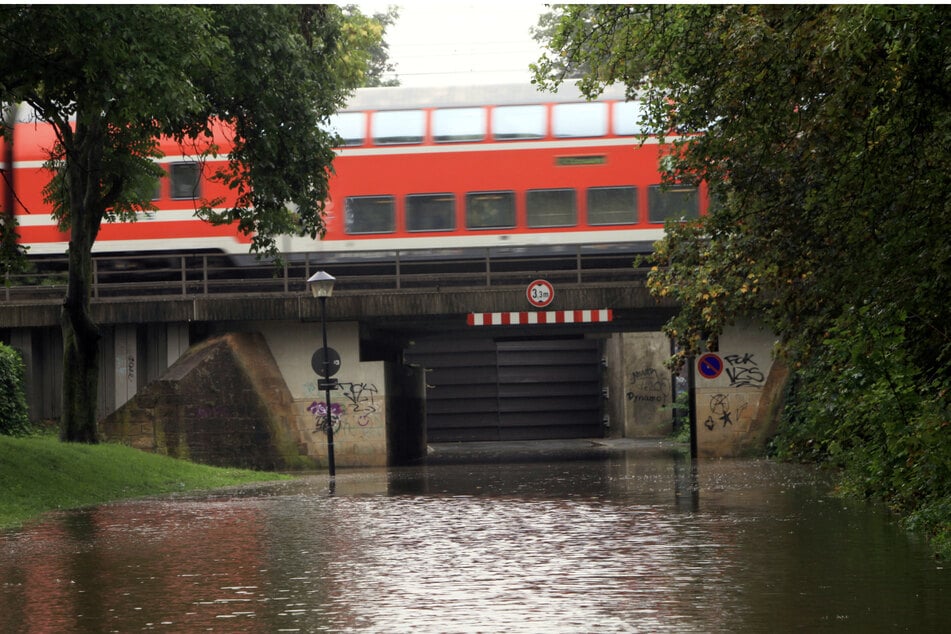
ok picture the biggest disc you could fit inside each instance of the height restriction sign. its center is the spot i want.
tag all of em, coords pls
(540, 293)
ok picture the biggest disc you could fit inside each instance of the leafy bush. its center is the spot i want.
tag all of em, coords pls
(864, 403)
(14, 417)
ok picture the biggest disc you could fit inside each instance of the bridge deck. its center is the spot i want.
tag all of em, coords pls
(382, 285)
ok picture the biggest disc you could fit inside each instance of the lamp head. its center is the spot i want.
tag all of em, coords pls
(321, 284)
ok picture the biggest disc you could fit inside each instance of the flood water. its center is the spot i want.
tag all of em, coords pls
(543, 539)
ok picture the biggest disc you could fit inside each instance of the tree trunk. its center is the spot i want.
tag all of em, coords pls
(80, 334)
(80, 381)
(80, 353)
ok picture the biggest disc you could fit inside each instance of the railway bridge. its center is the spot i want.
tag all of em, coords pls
(213, 358)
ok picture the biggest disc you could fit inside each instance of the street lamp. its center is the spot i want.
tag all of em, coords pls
(322, 286)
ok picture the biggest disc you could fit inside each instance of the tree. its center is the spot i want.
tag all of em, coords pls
(824, 135)
(112, 79)
(549, 27)
(368, 35)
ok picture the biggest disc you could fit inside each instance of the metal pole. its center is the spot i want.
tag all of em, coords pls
(330, 426)
(692, 389)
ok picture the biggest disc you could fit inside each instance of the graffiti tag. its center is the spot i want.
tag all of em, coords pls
(743, 370)
(722, 413)
(361, 399)
(649, 386)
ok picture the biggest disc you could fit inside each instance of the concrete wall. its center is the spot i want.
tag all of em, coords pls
(728, 405)
(733, 411)
(647, 385)
(362, 437)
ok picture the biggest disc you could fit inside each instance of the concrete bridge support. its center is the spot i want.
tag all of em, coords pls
(737, 390)
(640, 388)
(381, 403)
(247, 395)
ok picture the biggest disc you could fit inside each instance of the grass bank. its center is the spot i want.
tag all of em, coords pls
(40, 474)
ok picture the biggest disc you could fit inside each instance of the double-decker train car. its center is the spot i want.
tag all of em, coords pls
(421, 168)
(172, 227)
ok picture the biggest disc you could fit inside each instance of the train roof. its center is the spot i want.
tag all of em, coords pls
(403, 97)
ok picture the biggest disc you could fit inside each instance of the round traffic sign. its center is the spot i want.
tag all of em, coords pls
(710, 366)
(319, 362)
(540, 293)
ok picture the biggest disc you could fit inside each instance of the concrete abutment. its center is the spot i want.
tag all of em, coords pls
(245, 393)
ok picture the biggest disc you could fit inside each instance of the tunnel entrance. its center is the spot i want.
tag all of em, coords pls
(526, 389)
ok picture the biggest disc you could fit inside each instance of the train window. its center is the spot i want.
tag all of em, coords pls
(458, 124)
(157, 189)
(579, 119)
(627, 118)
(370, 214)
(490, 210)
(350, 127)
(518, 122)
(612, 205)
(186, 181)
(398, 126)
(673, 203)
(551, 208)
(431, 212)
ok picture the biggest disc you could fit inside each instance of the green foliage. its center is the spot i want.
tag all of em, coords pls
(679, 414)
(823, 135)
(363, 36)
(111, 79)
(40, 474)
(865, 406)
(14, 413)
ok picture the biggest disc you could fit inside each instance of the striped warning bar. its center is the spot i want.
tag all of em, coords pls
(541, 317)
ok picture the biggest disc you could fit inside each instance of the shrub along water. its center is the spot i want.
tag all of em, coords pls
(14, 419)
(866, 404)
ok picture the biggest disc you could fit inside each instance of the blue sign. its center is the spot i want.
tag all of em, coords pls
(710, 366)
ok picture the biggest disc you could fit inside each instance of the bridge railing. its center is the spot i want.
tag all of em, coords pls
(201, 274)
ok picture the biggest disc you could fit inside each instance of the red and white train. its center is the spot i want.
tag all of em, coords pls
(422, 168)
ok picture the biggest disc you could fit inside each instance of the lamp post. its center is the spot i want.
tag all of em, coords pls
(321, 286)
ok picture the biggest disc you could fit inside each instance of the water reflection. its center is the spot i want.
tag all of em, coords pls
(528, 540)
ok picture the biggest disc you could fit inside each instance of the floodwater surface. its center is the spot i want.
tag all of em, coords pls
(484, 539)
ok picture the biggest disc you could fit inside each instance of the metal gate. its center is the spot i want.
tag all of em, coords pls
(480, 389)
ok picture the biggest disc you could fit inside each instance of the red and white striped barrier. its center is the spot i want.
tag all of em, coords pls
(540, 317)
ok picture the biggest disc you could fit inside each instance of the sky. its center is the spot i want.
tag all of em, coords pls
(462, 43)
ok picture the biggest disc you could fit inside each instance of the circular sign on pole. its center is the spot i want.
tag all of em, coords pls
(319, 362)
(540, 293)
(710, 366)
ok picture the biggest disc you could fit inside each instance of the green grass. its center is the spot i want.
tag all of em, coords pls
(40, 474)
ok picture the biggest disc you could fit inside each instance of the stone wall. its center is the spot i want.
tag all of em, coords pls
(223, 403)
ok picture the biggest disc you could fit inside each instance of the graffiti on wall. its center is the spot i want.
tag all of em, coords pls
(649, 386)
(319, 412)
(213, 411)
(743, 370)
(722, 413)
(359, 399)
